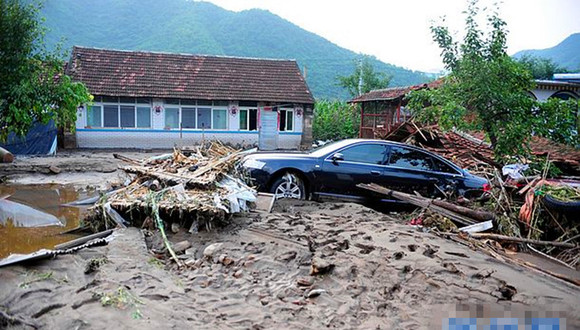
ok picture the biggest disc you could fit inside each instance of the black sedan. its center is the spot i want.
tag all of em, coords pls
(335, 169)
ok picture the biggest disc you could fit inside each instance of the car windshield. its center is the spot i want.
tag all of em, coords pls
(327, 148)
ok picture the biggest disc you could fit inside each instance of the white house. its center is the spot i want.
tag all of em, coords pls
(162, 100)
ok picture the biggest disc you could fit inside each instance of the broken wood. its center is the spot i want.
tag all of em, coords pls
(419, 201)
(498, 237)
(477, 215)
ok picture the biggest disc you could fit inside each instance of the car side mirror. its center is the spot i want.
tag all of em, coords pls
(336, 157)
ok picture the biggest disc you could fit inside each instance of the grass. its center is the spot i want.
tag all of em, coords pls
(122, 299)
(34, 276)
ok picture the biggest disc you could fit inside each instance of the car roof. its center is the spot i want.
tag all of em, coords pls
(347, 142)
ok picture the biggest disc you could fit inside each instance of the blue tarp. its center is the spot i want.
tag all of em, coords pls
(40, 140)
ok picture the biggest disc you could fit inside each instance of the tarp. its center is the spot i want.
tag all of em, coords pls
(40, 140)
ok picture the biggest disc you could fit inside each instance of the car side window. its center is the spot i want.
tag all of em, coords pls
(411, 159)
(365, 153)
(444, 167)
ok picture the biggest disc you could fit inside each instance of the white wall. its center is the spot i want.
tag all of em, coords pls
(159, 137)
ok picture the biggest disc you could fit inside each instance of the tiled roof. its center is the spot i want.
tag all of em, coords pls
(165, 75)
(394, 92)
(468, 150)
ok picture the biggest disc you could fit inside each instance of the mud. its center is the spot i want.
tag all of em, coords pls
(305, 266)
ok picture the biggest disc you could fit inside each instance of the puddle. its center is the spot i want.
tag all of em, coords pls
(44, 198)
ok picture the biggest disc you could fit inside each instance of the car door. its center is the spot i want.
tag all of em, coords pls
(409, 170)
(361, 163)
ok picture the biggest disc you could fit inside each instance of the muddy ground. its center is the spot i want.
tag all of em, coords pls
(305, 266)
(92, 169)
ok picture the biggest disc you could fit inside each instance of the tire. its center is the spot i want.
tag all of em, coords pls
(560, 206)
(288, 186)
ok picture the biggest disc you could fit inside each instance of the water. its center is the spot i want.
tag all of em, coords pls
(45, 198)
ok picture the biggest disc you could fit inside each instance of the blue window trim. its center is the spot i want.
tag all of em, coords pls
(134, 130)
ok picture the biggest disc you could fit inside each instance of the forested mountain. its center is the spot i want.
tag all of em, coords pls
(203, 28)
(565, 54)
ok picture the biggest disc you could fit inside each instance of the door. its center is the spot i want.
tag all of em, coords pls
(362, 163)
(268, 132)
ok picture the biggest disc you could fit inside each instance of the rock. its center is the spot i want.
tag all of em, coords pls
(290, 255)
(190, 262)
(180, 247)
(238, 273)
(304, 281)
(54, 169)
(225, 260)
(320, 266)
(175, 227)
(314, 293)
(212, 249)
(191, 251)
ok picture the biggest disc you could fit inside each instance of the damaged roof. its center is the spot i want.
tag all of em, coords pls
(469, 150)
(392, 93)
(166, 75)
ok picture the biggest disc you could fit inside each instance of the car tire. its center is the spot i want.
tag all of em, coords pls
(288, 186)
(561, 206)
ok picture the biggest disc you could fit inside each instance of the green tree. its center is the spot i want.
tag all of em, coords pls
(488, 90)
(540, 67)
(364, 78)
(335, 120)
(33, 84)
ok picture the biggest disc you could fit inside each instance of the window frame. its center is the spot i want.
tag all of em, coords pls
(136, 104)
(248, 109)
(288, 111)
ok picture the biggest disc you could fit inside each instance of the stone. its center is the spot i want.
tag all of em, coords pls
(175, 227)
(54, 169)
(238, 273)
(180, 247)
(320, 266)
(304, 281)
(314, 293)
(211, 250)
(190, 262)
(191, 251)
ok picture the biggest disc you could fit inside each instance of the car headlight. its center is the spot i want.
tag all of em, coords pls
(252, 163)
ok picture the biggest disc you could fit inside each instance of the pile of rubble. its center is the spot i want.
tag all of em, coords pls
(191, 188)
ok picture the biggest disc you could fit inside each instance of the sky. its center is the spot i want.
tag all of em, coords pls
(397, 32)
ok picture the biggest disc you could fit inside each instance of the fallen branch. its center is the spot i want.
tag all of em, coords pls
(154, 202)
(504, 238)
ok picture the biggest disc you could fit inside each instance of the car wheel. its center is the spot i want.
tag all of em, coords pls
(288, 186)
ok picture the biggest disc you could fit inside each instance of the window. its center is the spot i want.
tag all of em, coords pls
(172, 117)
(111, 116)
(248, 120)
(220, 119)
(188, 117)
(127, 116)
(204, 118)
(143, 117)
(94, 116)
(443, 167)
(412, 159)
(286, 120)
(365, 153)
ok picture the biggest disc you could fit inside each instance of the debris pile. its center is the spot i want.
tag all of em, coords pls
(193, 188)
